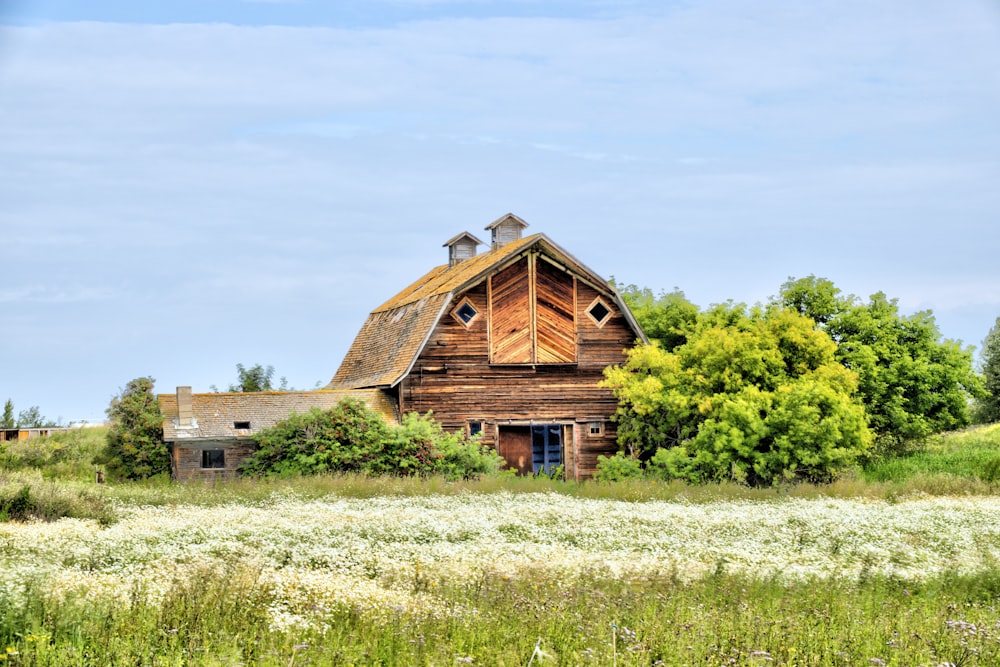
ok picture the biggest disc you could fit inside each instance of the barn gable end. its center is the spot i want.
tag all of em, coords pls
(511, 344)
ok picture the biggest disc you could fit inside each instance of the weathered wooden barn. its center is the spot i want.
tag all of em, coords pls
(209, 435)
(509, 343)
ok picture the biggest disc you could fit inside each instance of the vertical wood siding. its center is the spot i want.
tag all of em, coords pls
(510, 315)
(555, 316)
(454, 376)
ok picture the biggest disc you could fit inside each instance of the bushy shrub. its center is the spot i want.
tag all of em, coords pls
(340, 439)
(350, 437)
(617, 468)
(62, 455)
(25, 496)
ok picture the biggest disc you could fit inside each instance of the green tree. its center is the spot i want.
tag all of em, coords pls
(667, 317)
(7, 421)
(135, 448)
(911, 381)
(753, 394)
(255, 378)
(988, 405)
(32, 418)
(816, 298)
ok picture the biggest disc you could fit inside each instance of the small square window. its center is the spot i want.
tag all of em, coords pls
(241, 426)
(475, 428)
(213, 458)
(465, 312)
(596, 428)
(599, 312)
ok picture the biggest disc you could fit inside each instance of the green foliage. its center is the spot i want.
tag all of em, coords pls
(617, 468)
(351, 438)
(25, 496)
(988, 405)
(7, 420)
(340, 439)
(753, 395)
(135, 448)
(423, 444)
(970, 454)
(816, 298)
(912, 383)
(64, 454)
(255, 378)
(32, 418)
(667, 317)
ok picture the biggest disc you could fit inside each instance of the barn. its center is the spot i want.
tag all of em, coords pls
(509, 343)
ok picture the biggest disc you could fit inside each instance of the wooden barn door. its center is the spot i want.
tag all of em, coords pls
(514, 445)
(531, 449)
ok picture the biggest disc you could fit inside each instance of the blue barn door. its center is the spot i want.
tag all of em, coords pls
(546, 448)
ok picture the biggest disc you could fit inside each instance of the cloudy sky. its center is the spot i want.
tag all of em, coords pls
(193, 184)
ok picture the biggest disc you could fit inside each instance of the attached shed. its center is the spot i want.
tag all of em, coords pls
(209, 435)
(510, 343)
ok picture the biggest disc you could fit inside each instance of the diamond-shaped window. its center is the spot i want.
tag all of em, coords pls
(466, 312)
(599, 312)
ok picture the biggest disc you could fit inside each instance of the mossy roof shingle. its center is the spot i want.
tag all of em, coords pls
(216, 414)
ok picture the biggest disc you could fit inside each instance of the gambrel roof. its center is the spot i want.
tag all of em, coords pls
(395, 333)
(216, 415)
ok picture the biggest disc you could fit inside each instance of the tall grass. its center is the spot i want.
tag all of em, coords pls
(972, 455)
(219, 616)
(65, 455)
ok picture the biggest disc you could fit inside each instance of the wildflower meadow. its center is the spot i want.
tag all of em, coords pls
(507, 579)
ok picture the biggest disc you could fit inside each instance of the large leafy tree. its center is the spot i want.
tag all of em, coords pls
(911, 381)
(667, 317)
(752, 394)
(135, 448)
(988, 405)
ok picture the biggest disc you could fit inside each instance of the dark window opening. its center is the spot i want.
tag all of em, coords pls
(475, 428)
(466, 312)
(241, 426)
(213, 458)
(546, 448)
(599, 312)
(596, 428)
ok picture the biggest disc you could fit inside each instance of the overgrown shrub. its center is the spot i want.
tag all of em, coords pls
(617, 468)
(351, 438)
(62, 455)
(340, 439)
(25, 496)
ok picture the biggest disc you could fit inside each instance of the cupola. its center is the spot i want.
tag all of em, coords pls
(461, 248)
(506, 229)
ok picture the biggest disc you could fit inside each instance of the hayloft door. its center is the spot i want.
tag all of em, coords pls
(546, 448)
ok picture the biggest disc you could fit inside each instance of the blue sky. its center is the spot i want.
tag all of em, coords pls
(190, 185)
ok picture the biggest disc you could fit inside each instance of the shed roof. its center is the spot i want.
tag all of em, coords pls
(216, 414)
(394, 334)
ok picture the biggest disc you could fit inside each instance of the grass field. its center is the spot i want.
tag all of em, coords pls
(902, 569)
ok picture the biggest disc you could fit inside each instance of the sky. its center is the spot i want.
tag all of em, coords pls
(189, 185)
